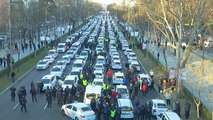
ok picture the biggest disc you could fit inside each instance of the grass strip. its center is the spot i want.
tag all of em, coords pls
(26, 63)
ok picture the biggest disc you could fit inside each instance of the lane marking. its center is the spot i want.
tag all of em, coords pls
(16, 106)
(45, 106)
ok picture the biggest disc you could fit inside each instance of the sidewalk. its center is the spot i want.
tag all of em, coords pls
(192, 81)
(4, 52)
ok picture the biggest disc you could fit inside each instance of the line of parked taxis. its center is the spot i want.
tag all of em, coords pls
(79, 56)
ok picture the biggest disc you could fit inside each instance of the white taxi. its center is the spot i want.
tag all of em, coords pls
(158, 106)
(78, 111)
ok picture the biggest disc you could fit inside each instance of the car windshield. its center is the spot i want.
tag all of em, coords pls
(100, 60)
(84, 109)
(99, 46)
(42, 62)
(74, 73)
(126, 108)
(91, 95)
(69, 53)
(69, 82)
(47, 58)
(60, 46)
(83, 54)
(122, 90)
(65, 58)
(120, 77)
(51, 52)
(45, 81)
(60, 63)
(55, 69)
(98, 74)
(98, 83)
(77, 65)
(161, 105)
(98, 66)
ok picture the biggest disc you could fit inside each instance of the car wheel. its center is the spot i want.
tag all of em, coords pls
(62, 112)
(76, 118)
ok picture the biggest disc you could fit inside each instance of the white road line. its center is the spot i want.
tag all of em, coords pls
(16, 106)
(45, 106)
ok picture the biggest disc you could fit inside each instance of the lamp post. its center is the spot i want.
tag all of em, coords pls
(9, 56)
(45, 24)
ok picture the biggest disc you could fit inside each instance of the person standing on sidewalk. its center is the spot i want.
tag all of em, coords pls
(187, 108)
(13, 75)
(168, 98)
(1, 61)
(158, 55)
(151, 74)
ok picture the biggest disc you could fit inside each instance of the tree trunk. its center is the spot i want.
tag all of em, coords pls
(164, 56)
(198, 109)
(186, 56)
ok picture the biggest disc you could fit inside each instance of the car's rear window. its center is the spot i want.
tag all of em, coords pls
(126, 108)
(161, 105)
(84, 109)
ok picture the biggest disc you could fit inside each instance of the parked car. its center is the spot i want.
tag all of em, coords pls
(50, 59)
(42, 65)
(50, 81)
(158, 106)
(57, 71)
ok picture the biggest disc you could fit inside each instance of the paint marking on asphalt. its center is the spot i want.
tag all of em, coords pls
(45, 106)
(16, 106)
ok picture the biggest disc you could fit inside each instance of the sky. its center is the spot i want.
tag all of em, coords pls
(107, 2)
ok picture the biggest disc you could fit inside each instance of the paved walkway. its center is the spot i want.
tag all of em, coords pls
(191, 82)
(4, 52)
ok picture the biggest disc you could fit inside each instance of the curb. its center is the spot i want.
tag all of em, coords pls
(17, 81)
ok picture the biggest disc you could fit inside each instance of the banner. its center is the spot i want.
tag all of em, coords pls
(136, 34)
(172, 73)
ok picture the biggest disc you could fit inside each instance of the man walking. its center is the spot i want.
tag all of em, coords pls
(23, 102)
(13, 94)
(33, 94)
(49, 99)
(13, 75)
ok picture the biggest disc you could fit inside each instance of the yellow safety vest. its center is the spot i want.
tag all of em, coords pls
(113, 113)
(104, 86)
(89, 83)
(81, 76)
(84, 83)
(108, 87)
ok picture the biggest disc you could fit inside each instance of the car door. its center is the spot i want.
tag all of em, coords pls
(68, 110)
(159, 117)
(74, 112)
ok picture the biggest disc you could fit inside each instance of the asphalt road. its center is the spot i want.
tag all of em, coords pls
(38, 110)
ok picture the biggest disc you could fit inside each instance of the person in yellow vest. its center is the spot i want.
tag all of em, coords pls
(89, 83)
(104, 89)
(112, 113)
(81, 76)
(84, 83)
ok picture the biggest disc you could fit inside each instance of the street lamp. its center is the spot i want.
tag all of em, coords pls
(46, 17)
(9, 56)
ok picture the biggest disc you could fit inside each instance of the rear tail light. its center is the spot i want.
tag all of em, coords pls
(82, 116)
